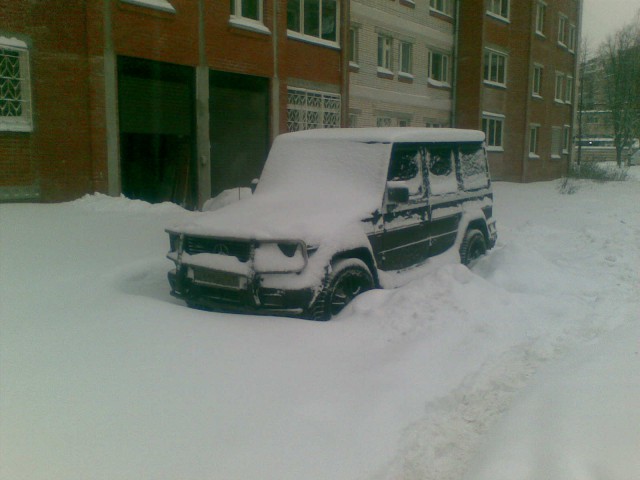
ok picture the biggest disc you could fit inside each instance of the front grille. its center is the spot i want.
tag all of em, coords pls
(217, 278)
(239, 249)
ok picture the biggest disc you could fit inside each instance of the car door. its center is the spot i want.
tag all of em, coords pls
(445, 204)
(405, 237)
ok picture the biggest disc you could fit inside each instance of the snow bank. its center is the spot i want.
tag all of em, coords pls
(105, 375)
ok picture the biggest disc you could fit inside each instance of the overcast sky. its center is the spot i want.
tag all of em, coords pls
(601, 18)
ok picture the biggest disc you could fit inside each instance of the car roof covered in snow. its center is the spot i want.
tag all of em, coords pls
(389, 134)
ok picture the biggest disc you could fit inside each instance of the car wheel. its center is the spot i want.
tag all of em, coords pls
(348, 278)
(473, 246)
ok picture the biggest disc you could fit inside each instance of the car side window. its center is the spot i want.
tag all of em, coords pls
(473, 166)
(442, 175)
(407, 166)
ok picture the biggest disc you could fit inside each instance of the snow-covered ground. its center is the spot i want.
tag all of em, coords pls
(527, 366)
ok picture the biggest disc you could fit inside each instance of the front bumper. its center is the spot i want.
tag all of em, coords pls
(241, 296)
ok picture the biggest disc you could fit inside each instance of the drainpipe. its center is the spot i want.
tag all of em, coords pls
(203, 141)
(112, 125)
(275, 81)
(454, 83)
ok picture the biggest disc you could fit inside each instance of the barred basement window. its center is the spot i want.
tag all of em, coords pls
(15, 90)
(309, 109)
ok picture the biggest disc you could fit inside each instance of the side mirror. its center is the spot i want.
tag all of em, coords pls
(397, 192)
(254, 184)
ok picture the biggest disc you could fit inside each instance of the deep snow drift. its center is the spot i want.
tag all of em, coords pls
(526, 366)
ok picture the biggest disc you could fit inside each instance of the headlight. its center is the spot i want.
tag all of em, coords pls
(280, 257)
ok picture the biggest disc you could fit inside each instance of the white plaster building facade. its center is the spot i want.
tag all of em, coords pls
(401, 63)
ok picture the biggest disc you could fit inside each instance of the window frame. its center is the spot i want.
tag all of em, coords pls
(487, 70)
(248, 23)
(354, 45)
(534, 140)
(445, 65)
(562, 29)
(541, 13)
(302, 35)
(536, 83)
(446, 9)
(568, 90)
(24, 121)
(556, 143)
(558, 95)
(384, 54)
(571, 40)
(498, 120)
(499, 9)
(402, 56)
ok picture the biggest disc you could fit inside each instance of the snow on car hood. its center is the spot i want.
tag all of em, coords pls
(310, 189)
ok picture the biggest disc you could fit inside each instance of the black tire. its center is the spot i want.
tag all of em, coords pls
(348, 278)
(473, 246)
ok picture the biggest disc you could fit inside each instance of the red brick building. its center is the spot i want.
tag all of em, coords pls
(516, 69)
(160, 99)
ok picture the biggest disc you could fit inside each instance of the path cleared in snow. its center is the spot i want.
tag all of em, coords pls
(105, 376)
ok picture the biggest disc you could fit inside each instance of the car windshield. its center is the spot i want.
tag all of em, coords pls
(342, 170)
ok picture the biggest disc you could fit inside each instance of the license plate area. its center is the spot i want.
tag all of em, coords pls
(216, 278)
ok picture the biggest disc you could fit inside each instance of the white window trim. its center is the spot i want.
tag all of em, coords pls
(541, 5)
(450, 8)
(318, 40)
(446, 83)
(571, 45)
(563, 21)
(401, 72)
(534, 154)
(355, 44)
(501, 118)
(248, 24)
(558, 96)
(499, 16)
(538, 94)
(568, 92)
(161, 5)
(506, 63)
(23, 123)
(386, 67)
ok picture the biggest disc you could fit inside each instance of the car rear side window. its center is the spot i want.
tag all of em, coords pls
(473, 166)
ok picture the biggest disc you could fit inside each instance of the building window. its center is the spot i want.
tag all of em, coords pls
(251, 9)
(571, 38)
(534, 134)
(383, 121)
(495, 68)
(442, 6)
(568, 90)
(384, 53)
(556, 142)
(317, 19)
(439, 69)
(536, 84)
(499, 8)
(353, 45)
(406, 58)
(15, 88)
(434, 125)
(353, 120)
(566, 139)
(562, 30)
(493, 127)
(541, 11)
(559, 87)
(309, 109)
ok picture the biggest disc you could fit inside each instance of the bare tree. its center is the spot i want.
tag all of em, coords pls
(620, 57)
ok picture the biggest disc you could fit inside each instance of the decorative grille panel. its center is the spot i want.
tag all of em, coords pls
(14, 90)
(309, 109)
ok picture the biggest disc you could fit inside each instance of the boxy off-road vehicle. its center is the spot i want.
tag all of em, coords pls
(333, 210)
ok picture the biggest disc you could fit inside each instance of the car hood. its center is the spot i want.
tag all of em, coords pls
(279, 217)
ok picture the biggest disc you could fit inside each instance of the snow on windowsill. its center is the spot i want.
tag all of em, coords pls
(438, 83)
(385, 71)
(494, 84)
(541, 35)
(405, 75)
(556, 157)
(12, 42)
(535, 95)
(248, 24)
(315, 40)
(495, 149)
(534, 156)
(162, 5)
(498, 17)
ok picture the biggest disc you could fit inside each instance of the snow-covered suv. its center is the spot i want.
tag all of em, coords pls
(333, 210)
